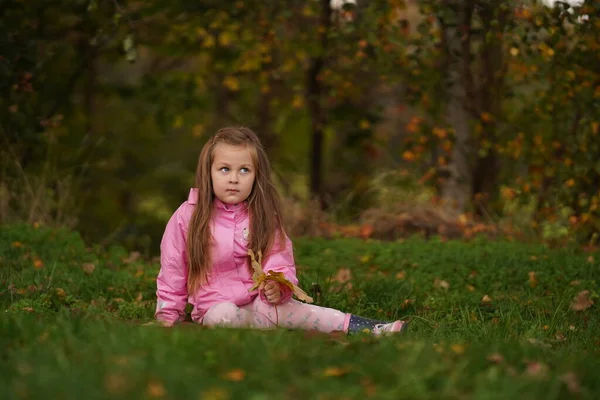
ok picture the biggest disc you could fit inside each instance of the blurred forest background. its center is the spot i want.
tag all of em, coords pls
(382, 118)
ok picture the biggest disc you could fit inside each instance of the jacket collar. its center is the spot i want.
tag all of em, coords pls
(193, 199)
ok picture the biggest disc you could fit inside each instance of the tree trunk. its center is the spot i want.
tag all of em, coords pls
(456, 190)
(315, 105)
(491, 87)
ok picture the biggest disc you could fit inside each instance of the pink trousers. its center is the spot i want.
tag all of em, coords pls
(291, 315)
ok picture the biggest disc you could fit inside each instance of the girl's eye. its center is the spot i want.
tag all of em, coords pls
(224, 169)
(245, 170)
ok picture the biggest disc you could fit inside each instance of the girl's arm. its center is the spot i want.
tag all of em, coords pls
(171, 283)
(281, 259)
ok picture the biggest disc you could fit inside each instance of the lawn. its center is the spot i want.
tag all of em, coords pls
(488, 320)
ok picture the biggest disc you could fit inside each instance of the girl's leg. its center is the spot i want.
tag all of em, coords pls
(361, 324)
(227, 315)
(296, 315)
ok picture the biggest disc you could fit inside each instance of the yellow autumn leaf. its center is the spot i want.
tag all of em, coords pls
(235, 375)
(225, 38)
(208, 42)
(37, 263)
(486, 299)
(298, 101)
(231, 83)
(198, 130)
(532, 279)
(156, 389)
(514, 51)
(335, 371)
(409, 155)
(401, 275)
(178, 122)
(457, 348)
(440, 132)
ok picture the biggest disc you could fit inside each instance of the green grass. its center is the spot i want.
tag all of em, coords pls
(68, 333)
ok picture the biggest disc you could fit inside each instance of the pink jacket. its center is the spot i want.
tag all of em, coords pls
(230, 277)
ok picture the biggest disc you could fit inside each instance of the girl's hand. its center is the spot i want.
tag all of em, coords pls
(272, 292)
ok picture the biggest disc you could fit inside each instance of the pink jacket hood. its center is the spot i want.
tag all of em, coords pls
(230, 278)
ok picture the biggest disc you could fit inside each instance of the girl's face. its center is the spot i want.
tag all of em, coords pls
(232, 173)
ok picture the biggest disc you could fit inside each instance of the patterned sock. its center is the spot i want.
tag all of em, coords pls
(359, 324)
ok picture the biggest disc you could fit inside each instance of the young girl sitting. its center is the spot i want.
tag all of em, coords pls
(204, 251)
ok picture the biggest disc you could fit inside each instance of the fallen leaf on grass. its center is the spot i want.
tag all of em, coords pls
(401, 275)
(156, 389)
(235, 375)
(536, 370)
(342, 277)
(486, 299)
(458, 348)
(582, 301)
(495, 358)
(335, 371)
(133, 257)
(533, 282)
(88, 268)
(441, 284)
(570, 379)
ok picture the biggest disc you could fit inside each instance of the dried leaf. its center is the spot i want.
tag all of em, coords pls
(533, 282)
(235, 375)
(441, 284)
(536, 369)
(156, 389)
(582, 301)
(335, 371)
(486, 299)
(495, 358)
(133, 257)
(401, 275)
(458, 348)
(570, 379)
(343, 275)
(88, 268)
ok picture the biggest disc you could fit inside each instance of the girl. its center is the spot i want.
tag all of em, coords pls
(204, 250)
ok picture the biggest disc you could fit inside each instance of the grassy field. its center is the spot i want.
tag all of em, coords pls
(487, 321)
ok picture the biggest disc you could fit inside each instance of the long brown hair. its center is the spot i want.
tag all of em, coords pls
(264, 205)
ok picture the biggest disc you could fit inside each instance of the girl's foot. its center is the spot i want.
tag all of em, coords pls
(387, 329)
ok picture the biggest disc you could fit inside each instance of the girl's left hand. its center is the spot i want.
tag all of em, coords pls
(272, 291)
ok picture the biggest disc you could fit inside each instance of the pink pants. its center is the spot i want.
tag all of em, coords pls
(291, 315)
